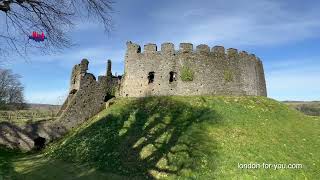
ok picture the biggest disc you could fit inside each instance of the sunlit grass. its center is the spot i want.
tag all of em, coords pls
(21, 117)
(182, 137)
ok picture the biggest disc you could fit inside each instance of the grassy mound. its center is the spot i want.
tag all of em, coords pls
(183, 137)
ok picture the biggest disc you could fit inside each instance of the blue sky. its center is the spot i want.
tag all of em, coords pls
(284, 34)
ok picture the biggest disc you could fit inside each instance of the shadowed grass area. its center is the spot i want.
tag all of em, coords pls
(145, 137)
(36, 167)
(6, 166)
(201, 137)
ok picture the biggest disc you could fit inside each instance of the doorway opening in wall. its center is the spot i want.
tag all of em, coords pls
(108, 97)
(150, 77)
(173, 76)
(39, 143)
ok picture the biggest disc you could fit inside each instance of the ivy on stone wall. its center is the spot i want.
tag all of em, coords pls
(228, 76)
(187, 74)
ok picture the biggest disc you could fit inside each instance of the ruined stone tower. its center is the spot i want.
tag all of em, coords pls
(87, 96)
(202, 71)
(158, 73)
(189, 72)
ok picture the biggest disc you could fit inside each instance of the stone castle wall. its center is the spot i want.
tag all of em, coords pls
(215, 72)
(148, 73)
(86, 98)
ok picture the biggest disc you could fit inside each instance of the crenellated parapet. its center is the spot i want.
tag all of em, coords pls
(168, 48)
(214, 70)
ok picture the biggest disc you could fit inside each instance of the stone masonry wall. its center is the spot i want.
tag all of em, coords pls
(215, 72)
(149, 73)
(86, 98)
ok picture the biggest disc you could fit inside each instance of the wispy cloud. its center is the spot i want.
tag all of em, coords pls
(237, 23)
(243, 24)
(96, 56)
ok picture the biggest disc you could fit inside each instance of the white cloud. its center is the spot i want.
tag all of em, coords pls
(237, 23)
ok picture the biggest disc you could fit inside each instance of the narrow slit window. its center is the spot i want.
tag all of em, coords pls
(150, 77)
(173, 76)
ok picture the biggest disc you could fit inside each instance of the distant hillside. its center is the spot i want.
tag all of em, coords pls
(43, 106)
(311, 108)
(181, 138)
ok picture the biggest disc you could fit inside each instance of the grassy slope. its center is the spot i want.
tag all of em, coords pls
(199, 137)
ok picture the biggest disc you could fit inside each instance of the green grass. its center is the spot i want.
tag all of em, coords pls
(21, 117)
(181, 138)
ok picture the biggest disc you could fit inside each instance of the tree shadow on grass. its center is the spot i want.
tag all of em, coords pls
(151, 138)
(6, 166)
(24, 137)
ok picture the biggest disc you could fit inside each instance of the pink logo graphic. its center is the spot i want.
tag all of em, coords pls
(37, 37)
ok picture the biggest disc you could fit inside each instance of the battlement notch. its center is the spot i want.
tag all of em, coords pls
(253, 57)
(150, 48)
(218, 50)
(186, 47)
(243, 54)
(232, 52)
(167, 48)
(133, 48)
(203, 49)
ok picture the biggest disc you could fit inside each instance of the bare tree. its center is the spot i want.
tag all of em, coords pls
(11, 89)
(18, 18)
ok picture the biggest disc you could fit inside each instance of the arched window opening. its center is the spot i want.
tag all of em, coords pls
(39, 143)
(150, 77)
(173, 76)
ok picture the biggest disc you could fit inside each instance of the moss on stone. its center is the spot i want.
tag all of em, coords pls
(228, 76)
(187, 74)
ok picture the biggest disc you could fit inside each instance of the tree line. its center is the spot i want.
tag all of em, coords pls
(11, 91)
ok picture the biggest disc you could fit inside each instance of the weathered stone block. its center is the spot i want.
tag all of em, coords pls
(203, 49)
(185, 47)
(218, 50)
(150, 48)
(167, 48)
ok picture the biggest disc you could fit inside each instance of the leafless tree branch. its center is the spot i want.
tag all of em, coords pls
(53, 17)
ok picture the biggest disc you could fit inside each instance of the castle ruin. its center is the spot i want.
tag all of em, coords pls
(167, 72)
(188, 72)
